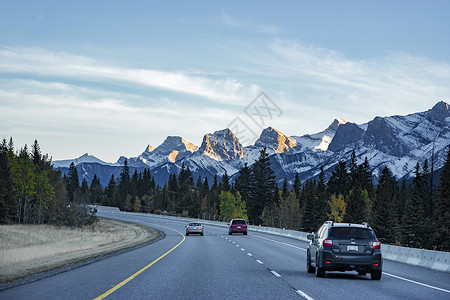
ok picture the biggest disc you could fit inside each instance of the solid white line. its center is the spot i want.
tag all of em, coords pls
(279, 242)
(301, 293)
(275, 273)
(260, 261)
(419, 283)
(249, 254)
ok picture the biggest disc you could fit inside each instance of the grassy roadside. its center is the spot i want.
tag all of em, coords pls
(29, 249)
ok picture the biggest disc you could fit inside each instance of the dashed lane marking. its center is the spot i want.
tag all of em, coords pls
(303, 294)
(275, 273)
(259, 261)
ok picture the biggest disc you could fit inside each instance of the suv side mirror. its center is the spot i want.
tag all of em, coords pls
(310, 236)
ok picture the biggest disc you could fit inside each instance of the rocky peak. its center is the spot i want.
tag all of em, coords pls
(275, 140)
(334, 126)
(346, 134)
(174, 143)
(221, 145)
(439, 112)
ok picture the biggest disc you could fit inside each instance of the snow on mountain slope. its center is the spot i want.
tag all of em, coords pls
(321, 140)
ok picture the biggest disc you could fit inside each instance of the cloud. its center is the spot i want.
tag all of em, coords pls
(39, 62)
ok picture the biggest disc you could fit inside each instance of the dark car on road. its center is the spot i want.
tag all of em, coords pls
(344, 247)
(237, 226)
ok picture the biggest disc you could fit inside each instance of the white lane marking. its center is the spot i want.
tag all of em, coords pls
(249, 254)
(237, 245)
(301, 293)
(242, 249)
(234, 243)
(279, 242)
(275, 273)
(259, 261)
(416, 282)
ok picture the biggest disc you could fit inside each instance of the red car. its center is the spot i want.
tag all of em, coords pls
(237, 226)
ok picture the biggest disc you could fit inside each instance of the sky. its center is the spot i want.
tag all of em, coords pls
(111, 77)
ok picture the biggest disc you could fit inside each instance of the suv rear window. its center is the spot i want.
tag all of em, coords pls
(347, 233)
(238, 222)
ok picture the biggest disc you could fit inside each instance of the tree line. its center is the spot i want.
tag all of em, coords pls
(414, 215)
(32, 192)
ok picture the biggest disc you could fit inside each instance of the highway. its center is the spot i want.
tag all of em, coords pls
(219, 266)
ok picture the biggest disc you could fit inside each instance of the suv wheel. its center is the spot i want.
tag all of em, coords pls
(320, 272)
(375, 275)
(309, 268)
(229, 232)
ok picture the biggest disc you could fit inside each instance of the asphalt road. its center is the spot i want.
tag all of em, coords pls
(219, 266)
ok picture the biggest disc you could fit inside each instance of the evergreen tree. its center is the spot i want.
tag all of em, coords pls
(413, 220)
(262, 187)
(402, 197)
(296, 187)
(285, 191)
(242, 183)
(96, 191)
(111, 193)
(339, 181)
(225, 183)
(442, 213)
(322, 207)
(73, 183)
(7, 203)
(124, 188)
(384, 217)
(355, 210)
(309, 223)
(82, 195)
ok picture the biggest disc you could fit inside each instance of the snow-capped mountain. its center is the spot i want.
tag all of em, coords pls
(222, 145)
(398, 142)
(172, 149)
(85, 158)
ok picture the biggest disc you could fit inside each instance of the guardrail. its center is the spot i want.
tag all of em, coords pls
(429, 259)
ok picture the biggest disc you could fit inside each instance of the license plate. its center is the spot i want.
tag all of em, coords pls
(352, 248)
(239, 226)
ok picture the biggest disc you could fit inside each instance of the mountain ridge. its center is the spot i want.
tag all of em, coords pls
(396, 141)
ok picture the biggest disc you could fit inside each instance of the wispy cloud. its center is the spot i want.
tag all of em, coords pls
(40, 62)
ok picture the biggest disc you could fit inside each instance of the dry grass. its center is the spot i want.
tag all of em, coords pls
(28, 249)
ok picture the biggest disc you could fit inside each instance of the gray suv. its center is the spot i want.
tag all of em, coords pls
(344, 247)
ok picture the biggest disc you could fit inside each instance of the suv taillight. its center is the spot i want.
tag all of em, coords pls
(376, 245)
(327, 243)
